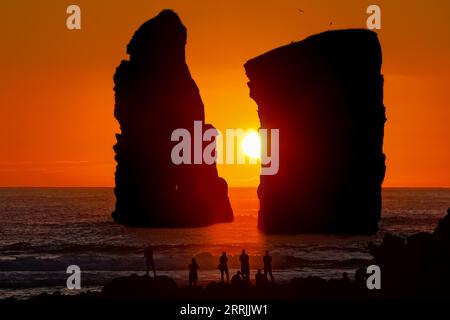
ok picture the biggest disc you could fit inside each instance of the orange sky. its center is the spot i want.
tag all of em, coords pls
(56, 99)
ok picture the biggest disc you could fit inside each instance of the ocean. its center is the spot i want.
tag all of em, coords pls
(44, 230)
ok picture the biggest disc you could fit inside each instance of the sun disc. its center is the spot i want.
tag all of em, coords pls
(251, 145)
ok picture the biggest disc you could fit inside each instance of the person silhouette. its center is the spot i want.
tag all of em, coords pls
(245, 265)
(267, 260)
(148, 255)
(223, 267)
(260, 279)
(236, 280)
(193, 275)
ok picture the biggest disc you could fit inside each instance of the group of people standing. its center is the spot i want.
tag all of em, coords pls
(242, 276)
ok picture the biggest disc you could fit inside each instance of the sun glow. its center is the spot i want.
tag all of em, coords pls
(251, 145)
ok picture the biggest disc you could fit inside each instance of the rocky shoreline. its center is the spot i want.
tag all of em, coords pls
(411, 268)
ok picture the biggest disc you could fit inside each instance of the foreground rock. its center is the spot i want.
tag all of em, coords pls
(418, 265)
(140, 288)
(325, 95)
(155, 94)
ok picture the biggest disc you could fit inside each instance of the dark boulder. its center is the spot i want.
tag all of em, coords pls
(418, 265)
(136, 287)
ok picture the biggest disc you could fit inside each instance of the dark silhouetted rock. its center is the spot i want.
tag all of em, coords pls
(325, 95)
(155, 94)
(418, 265)
(136, 287)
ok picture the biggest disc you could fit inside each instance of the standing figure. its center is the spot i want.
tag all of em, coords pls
(245, 265)
(148, 255)
(193, 275)
(223, 267)
(267, 260)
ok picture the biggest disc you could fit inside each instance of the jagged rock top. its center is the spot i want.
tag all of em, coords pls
(161, 36)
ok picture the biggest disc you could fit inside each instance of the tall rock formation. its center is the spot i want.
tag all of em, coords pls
(325, 94)
(155, 94)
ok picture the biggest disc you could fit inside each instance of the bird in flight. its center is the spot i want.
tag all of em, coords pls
(301, 11)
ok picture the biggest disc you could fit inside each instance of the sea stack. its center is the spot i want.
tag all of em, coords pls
(154, 95)
(325, 95)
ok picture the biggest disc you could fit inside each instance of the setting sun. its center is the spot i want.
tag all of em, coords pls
(251, 145)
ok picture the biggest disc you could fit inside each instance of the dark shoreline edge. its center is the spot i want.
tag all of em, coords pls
(412, 268)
